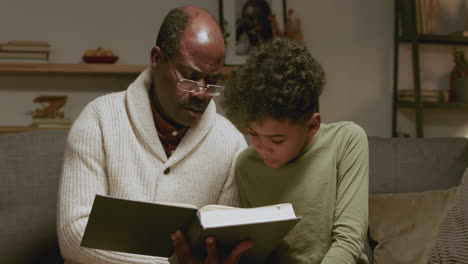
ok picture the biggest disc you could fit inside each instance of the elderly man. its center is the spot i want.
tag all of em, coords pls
(160, 140)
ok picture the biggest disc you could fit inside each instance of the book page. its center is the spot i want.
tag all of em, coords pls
(239, 216)
(183, 205)
(213, 207)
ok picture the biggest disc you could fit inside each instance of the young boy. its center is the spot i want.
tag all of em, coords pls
(322, 169)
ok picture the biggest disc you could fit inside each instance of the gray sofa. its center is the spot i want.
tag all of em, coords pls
(30, 165)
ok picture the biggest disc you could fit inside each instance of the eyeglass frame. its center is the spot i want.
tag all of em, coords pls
(198, 86)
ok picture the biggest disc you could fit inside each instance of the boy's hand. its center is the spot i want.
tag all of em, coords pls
(185, 256)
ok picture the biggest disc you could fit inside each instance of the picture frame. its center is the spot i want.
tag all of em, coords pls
(246, 22)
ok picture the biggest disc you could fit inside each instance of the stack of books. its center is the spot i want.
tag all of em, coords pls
(24, 51)
(461, 33)
(408, 95)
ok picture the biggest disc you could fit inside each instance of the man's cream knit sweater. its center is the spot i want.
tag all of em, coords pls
(113, 149)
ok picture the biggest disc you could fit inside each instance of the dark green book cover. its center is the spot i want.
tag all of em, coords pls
(134, 226)
(145, 228)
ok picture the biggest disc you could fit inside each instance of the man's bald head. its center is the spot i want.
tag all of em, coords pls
(202, 28)
(190, 47)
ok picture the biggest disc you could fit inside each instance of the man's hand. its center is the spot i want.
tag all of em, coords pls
(185, 255)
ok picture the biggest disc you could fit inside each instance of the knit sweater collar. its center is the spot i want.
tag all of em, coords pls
(139, 108)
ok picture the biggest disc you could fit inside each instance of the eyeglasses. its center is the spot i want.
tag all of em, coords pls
(191, 86)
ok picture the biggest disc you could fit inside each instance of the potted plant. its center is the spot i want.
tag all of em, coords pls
(459, 78)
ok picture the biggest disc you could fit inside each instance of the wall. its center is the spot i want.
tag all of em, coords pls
(71, 27)
(353, 40)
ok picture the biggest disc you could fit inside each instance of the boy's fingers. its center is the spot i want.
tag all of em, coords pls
(181, 247)
(237, 252)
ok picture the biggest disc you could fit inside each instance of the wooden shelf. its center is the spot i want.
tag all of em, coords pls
(15, 129)
(82, 68)
(435, 105)
(437, 39)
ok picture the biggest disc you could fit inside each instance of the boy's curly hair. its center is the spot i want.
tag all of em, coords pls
(280, 79)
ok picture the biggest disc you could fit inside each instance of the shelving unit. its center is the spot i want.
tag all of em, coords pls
(73, 69)
(415, 40)
(53, 69)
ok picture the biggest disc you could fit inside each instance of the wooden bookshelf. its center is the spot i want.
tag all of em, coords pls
(16, 129)
(406, 30)
(80, 68)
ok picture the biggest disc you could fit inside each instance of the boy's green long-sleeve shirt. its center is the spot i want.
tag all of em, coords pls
(328, 187)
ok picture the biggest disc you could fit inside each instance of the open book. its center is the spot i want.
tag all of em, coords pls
(145, 228)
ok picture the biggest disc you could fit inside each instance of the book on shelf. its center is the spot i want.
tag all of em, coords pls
(27, 48)
(424, 92)
(425, 17)
(423, 98)
(20, 61)
(28, 42)
(52, 126)
(425, 12)
(51, 122)
(419, 23)
(460, 33)
(23, 55)
(144, 228)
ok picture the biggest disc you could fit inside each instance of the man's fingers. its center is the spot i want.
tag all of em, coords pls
(211, 251)
(237, 252)
(184, 251)
(181, 247)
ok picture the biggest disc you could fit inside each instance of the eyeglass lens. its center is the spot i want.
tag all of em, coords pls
(190, 86)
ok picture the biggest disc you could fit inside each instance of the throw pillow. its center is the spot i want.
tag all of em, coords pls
(451, 244)
(405, 224)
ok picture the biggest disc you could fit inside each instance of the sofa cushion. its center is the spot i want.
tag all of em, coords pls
(399, 165)
(404, 225)
(30, 166)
